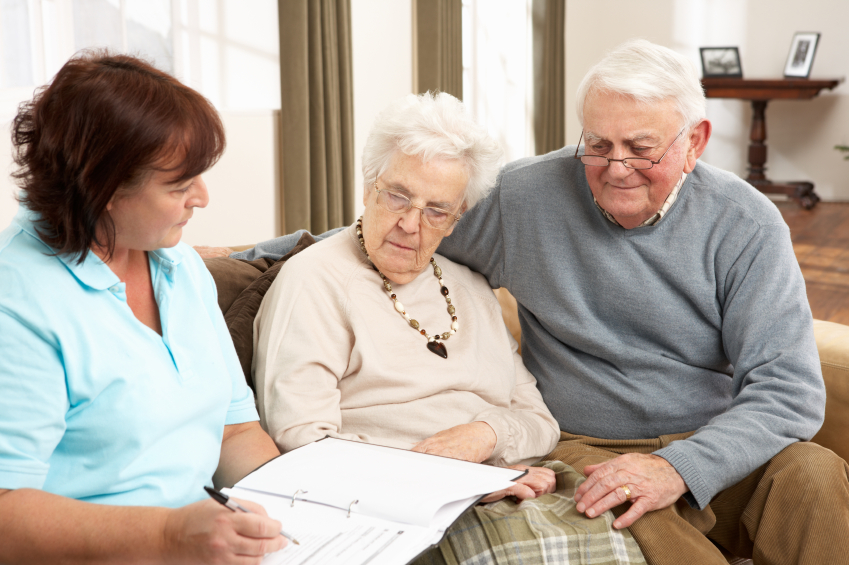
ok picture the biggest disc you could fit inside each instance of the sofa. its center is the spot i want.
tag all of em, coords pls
(242, 284)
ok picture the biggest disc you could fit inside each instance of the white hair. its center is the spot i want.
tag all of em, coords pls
(433, 126)
(647, 73)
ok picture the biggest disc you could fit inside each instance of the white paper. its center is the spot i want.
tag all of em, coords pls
(392, 484)
(328, 536)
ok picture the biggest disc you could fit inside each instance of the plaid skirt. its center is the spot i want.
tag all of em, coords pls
(543, 530)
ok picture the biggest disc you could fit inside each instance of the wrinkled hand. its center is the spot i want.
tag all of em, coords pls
(206, 252)
(470, 442)
(206, 532)
(538, 481)
(653, 483)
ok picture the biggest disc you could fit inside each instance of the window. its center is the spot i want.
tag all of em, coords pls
(226, 49)
(498, 71)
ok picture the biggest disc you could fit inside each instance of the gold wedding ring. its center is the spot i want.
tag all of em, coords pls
(627, 492)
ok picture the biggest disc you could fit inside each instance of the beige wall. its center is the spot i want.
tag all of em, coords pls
(8, 190)
(382, 46)
(800, 134)
(243, 185)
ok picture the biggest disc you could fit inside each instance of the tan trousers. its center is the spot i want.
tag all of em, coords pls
(793, 510)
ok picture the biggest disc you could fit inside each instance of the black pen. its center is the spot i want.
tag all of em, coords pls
(223, 499)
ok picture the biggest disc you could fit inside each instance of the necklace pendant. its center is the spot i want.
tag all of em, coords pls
(438, 348)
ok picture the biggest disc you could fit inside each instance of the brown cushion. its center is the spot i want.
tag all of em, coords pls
(240, 315)
(232, 276)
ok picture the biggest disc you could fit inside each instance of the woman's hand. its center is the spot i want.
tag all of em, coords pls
(470, 442)
(538, 481)
(206, 532)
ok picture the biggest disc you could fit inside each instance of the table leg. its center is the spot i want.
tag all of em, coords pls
(757, 147)
(800, 191)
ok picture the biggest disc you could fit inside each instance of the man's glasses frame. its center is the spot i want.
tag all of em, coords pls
(408, 204)
(637, 163)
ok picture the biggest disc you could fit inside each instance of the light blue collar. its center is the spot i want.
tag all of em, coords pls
(93, 272)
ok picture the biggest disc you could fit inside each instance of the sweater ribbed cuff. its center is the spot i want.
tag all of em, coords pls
(501, 434)
(700, 495)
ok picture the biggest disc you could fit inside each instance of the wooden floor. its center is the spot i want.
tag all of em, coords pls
(821, 242)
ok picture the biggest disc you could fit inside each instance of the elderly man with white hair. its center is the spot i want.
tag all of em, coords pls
(664, 316)
(665, 319)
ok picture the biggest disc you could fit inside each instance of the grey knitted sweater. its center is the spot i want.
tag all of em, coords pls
(700, 322)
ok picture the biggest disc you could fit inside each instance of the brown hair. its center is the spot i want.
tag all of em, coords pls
(105, 123)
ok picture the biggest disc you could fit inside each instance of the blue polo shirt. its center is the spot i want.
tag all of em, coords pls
(96, 406)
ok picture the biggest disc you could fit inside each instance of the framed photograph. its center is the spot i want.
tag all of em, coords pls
(721, 62)
(801, 57)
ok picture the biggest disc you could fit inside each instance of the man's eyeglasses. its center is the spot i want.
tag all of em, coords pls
(397, 203)
(639, 163)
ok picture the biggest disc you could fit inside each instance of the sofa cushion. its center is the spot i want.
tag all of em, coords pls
(241, 288)
(833, 345)
(232, 276)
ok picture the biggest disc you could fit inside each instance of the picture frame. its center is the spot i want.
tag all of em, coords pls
(801, 57)
(721, 62)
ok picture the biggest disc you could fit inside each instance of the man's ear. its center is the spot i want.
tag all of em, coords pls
(699, 137)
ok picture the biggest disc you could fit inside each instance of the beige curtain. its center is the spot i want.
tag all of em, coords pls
(549, 75)
(438, 46)
(317, 131)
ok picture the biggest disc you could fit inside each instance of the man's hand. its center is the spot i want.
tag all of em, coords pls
(212, 252)
(538, 481)
(653, 483)
(470, 442)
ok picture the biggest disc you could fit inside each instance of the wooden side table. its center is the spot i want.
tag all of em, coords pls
(760, 92)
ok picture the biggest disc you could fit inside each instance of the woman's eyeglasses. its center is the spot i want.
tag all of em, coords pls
(397, 203)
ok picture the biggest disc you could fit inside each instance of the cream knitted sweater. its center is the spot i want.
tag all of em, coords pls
(333, 357)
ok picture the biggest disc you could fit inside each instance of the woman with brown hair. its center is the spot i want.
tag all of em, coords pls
(115, 411)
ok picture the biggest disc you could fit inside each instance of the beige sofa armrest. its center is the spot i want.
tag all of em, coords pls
(510, 313)
(833, 345)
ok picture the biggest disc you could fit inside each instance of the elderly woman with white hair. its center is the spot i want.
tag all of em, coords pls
(369, 335)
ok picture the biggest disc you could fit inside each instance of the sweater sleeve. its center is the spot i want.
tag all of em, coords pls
(302, 346)
(526, 431)
(276, 248)
(778, 394)
(478, 241)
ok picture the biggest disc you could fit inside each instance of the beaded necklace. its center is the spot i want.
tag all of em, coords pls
(433, 345)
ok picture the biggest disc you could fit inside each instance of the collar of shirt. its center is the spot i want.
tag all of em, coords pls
(655, 218)
(93, 272)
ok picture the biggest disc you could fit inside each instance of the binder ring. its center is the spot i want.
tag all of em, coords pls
(297, 492)
(350, 506)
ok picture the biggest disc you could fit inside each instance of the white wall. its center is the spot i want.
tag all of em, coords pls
(382, 46)
(243, 185)
(800, 134)
(8, 190)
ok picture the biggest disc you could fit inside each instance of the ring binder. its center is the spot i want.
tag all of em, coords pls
(297, 492)
(421, 508)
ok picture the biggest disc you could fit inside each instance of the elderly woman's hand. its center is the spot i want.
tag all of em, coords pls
(538, 481)
(470, 442)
